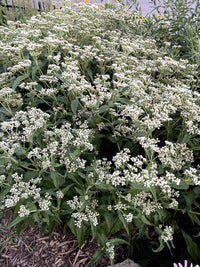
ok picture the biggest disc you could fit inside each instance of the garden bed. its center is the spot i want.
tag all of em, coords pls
(99, 132)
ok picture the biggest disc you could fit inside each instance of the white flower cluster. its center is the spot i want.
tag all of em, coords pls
(149, 143)
(23, 124)
(80, 216)
(10, 97)
(60, 194)
(128, 217)
(45, 203)
(121, 158)
(167, 234)
(110, 250)
(175, 155)
(193, 174)
(2, 178)
(22, 190)
(23, 211)
(143, 200)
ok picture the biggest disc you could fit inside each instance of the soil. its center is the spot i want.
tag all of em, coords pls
(33, 250)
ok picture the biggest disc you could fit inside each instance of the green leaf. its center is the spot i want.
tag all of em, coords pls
(94, 231)
(74, 105)
(109, 220)
(20, 152)
(97, 255)
(160, 248)
(30, 174)
(57, 179)
(36, 216)
(80, 235)
(43, 228)
(30, 222)
(15, 222)
(144, 219)
(51, 226)
(192, 248)
(194, 218)
(124, 100)
(79, 191)
(4, 160)
(18, 81)
(104, 187)
(113, 224)
(72, 226)
(65, 189)
(117, 241)
(142, 229)
(89, 73)
(137, 186)
(5, 112)
(186, 139)
(124, 222)
(103, 108)
(75, 179)
(181, 186)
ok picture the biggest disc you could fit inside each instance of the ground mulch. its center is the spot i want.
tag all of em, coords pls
(33, 250)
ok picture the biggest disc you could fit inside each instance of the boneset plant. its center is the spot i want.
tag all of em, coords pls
(99, 129)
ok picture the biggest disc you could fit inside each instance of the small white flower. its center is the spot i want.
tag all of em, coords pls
(167, 234)
(59, 194)
(23, 211)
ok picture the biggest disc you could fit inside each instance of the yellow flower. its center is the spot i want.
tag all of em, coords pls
(159, 16)
(86, 1)
(142, 19)
(58, 9)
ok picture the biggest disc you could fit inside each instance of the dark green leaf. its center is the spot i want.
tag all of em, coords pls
(4, 160)
(103, 108)
(74, 105)
(124, 222)
(72, 226)
(18, 81)
(97, 255)
(117, 241)
(57, 179)
(145, 220)
(194, 218)
(30, 221)
(80, 235)
(15, 222)
(192, 248)
(104, 187)
(160, 248)
(89, 73)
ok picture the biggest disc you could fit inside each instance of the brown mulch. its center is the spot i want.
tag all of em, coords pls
(33, 250)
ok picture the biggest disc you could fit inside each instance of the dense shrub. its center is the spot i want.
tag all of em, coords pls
(99, 129)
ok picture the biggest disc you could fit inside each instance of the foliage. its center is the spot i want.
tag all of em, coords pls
(99, 129)
(175, 23)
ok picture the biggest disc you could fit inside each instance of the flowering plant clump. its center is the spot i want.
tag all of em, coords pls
(99, 128)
